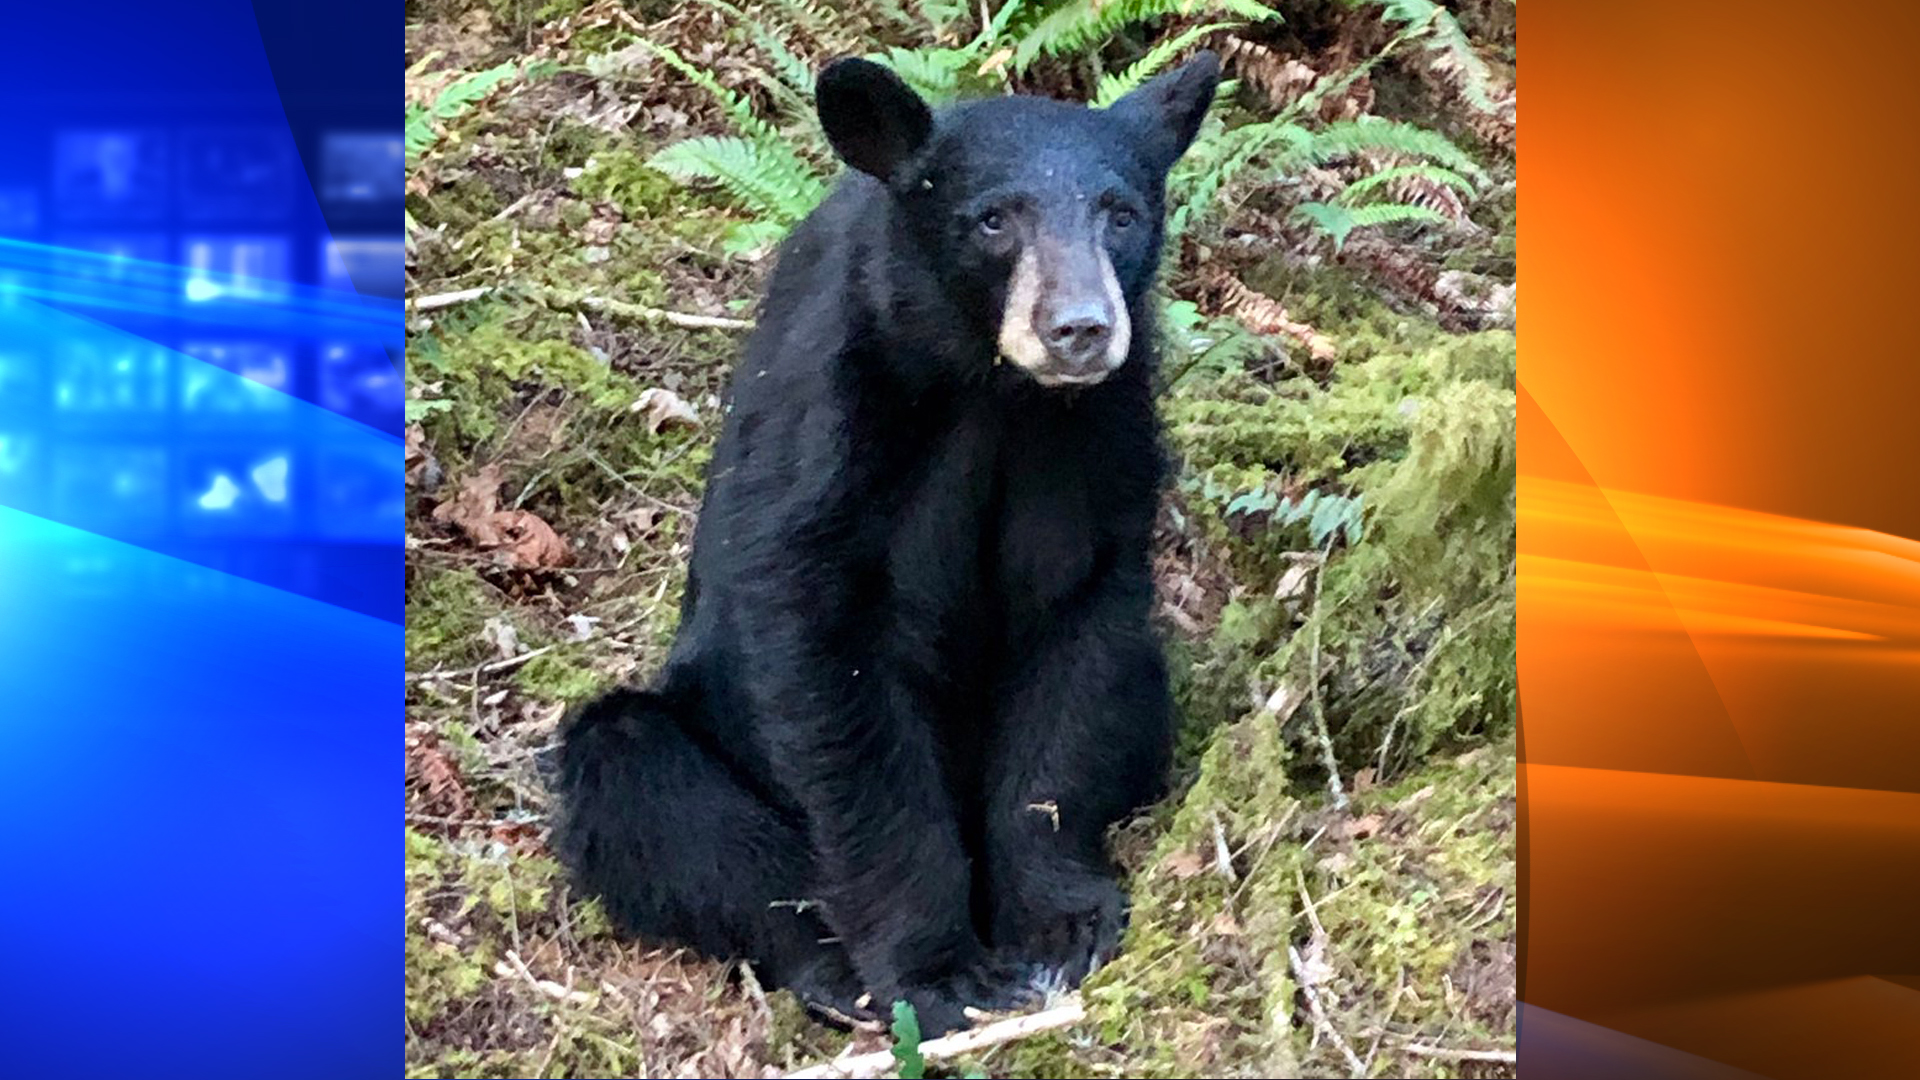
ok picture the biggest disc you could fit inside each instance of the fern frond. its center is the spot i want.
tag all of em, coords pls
(1223, 158)
(1115, 87)
(1454, 55)
(939, 75)
(1388, 177)
(737, 108)
(1391, 213)
(1079, 24)
(1339, 221)
(766, 179)
(1344, 138)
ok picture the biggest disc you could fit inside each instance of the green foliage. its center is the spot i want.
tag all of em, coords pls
(1324, 514)
(906, 1042)
(1080, 25)
(425, 123)
(759, 168)
(1449, 41)
(1114, 87)
(1337, 221)
(773, 184)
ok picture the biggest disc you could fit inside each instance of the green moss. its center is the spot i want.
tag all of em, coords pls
(445, 612)
(558, 677)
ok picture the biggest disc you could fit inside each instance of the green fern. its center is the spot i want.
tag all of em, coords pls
(424, 123)
(769, 181)
(1077, 25)
(738, 109)
(1447, 38)
(1338, 221)
(1115, 87)
(939, 75)
(1433, 173)
(1346, 138)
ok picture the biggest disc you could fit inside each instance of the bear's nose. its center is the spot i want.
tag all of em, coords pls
(1079, 332)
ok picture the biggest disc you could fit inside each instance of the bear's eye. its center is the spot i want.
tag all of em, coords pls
(1121, 218)
(992, 222)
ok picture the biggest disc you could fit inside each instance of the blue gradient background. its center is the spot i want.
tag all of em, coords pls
(201, 519)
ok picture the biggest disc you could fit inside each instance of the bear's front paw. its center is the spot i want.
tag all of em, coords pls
(1067, 927)
(992, 985)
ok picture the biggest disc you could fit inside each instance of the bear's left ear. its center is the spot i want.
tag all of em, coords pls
(873, 120)
(1168, 109)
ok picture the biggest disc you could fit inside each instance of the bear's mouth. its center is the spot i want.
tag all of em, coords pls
(1068, 379)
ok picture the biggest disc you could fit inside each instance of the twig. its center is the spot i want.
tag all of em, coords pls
(483, 669)
(1319, 710)
(620, 309)
(448, 299)
(554, 990)
(1320, 1021)
(862, 1066)
(1423, 1050)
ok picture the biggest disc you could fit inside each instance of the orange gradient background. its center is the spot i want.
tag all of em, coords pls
(1720, 529)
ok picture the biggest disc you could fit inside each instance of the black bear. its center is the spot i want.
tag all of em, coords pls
(915, 681)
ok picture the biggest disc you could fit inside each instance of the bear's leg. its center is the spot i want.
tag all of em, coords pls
(681, 848)
(1082, 738)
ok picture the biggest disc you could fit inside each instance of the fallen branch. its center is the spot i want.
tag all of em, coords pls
(448, 299)
(620, 309)
(998, 1033)
(1320, 1022)
(1424, 1050)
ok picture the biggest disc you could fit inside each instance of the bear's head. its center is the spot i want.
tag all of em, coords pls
(1041, 219)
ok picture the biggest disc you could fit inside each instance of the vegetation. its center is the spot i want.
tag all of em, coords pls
(594, 193)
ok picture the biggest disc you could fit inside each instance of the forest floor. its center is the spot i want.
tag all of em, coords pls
(1330, 891)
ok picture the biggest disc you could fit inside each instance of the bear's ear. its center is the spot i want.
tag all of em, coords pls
(1168, 109)
(874, 121)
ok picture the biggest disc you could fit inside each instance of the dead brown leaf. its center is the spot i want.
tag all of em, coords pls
(527, 542)
(1183, 864)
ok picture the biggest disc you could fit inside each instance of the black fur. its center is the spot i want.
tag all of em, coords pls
(914, 682)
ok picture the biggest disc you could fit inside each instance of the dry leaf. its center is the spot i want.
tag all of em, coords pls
(1361, 827)
(1264, 315)
(531, 544)
(1183, 864)
(528, 542)
(664, 408)
(1363, 780)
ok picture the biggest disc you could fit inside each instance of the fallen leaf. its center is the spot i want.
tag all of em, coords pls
(1361, 827)
(1183, 864)
(665, 408)
(530, 543)
(1226, 925)
(581, 626)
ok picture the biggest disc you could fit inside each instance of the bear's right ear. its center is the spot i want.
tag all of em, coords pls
(874, 121)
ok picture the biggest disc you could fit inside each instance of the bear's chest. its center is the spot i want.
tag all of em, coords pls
(1002, 526)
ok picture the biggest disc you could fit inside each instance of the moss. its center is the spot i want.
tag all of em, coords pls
(446, 610)
(557, 677)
